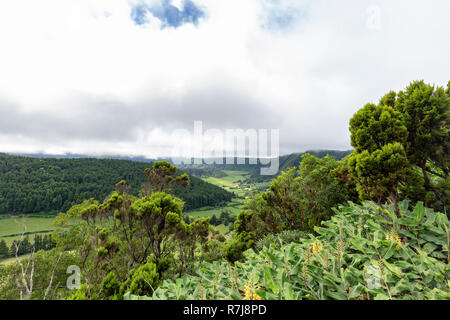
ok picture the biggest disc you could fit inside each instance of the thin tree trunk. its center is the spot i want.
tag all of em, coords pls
(428, 183)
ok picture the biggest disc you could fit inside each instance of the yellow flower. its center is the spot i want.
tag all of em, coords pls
(317, 246)
(249, 292)
(393, 237)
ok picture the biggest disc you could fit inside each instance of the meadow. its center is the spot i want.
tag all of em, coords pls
(12, 260)
(12, 227)
(234, 181)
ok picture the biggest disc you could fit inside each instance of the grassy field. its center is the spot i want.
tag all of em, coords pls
(11, 228)
(233, 182)
(13, 260)
(223, 228)
(234, 207)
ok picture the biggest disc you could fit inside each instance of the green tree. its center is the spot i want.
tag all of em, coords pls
(214, 220)
(374, 126)
(379, 163)
(161, 178)
(142, 281)
(298, 199)
(4, 251)
(224, 217)
(426, 113)
(379, 173)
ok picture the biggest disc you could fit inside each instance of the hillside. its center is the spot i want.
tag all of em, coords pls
(285, 162)
(48, 185)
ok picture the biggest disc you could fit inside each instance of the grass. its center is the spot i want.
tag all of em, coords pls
(233, 183)
(230, 182)
(11, 228)
(234, 207)
(13, 260)
(223, 228)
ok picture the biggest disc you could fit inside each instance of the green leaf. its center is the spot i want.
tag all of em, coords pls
(381, 296)
(268, 274)
(390, 252)
(418, 211)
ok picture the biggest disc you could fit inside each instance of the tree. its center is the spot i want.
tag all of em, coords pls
(115, 237)
(298, 199)
(374, 126)
(224, 217)
(379, 163)
(321, 189)
(214, 220)
(379, 173)
(162, 177)
(426, 113)
(4, 252)
(142, 281)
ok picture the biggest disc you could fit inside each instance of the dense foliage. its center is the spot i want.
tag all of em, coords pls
(298, 199)
(389, 237)
(31, 185)
(25, 246)
(362, 253)
(46, 263)
(129, 243)
(402, 147)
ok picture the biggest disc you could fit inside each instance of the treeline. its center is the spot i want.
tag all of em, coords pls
(200, 194)
(40, 242)
(32, 185)
(285, 163)
(204, 171)
(292, 160)
(225, 218)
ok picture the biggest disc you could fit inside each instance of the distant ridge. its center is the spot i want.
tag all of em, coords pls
(285, 162)
(79, 156)
(47, 184)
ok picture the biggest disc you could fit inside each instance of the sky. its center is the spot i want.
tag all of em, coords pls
(118, 77)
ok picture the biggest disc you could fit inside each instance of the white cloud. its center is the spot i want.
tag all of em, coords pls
(69, 60)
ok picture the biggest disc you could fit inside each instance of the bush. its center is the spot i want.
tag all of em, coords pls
(363, 252)
(111, 286)
(280, 239)
(142, 281)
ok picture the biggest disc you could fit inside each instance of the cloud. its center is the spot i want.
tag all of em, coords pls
(170, 13)
(282, 15)
(87, 76)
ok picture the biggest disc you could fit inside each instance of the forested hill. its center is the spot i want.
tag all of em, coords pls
(294, 159)
(32, 185)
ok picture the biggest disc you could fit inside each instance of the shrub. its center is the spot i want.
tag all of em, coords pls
(363, 252)
(142, 281)
(280, 239)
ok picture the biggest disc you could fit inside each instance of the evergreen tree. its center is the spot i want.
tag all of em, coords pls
(214, 220)
(12, 249)
(379, 163)
(4, 252)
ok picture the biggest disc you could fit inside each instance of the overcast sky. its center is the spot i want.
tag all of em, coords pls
(119, 76)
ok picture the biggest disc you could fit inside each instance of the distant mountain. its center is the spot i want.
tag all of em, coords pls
(79, 156)
(47, 184)
(285, 162)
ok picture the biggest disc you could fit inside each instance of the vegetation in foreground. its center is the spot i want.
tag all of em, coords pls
(363, 252)
(391, 240)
